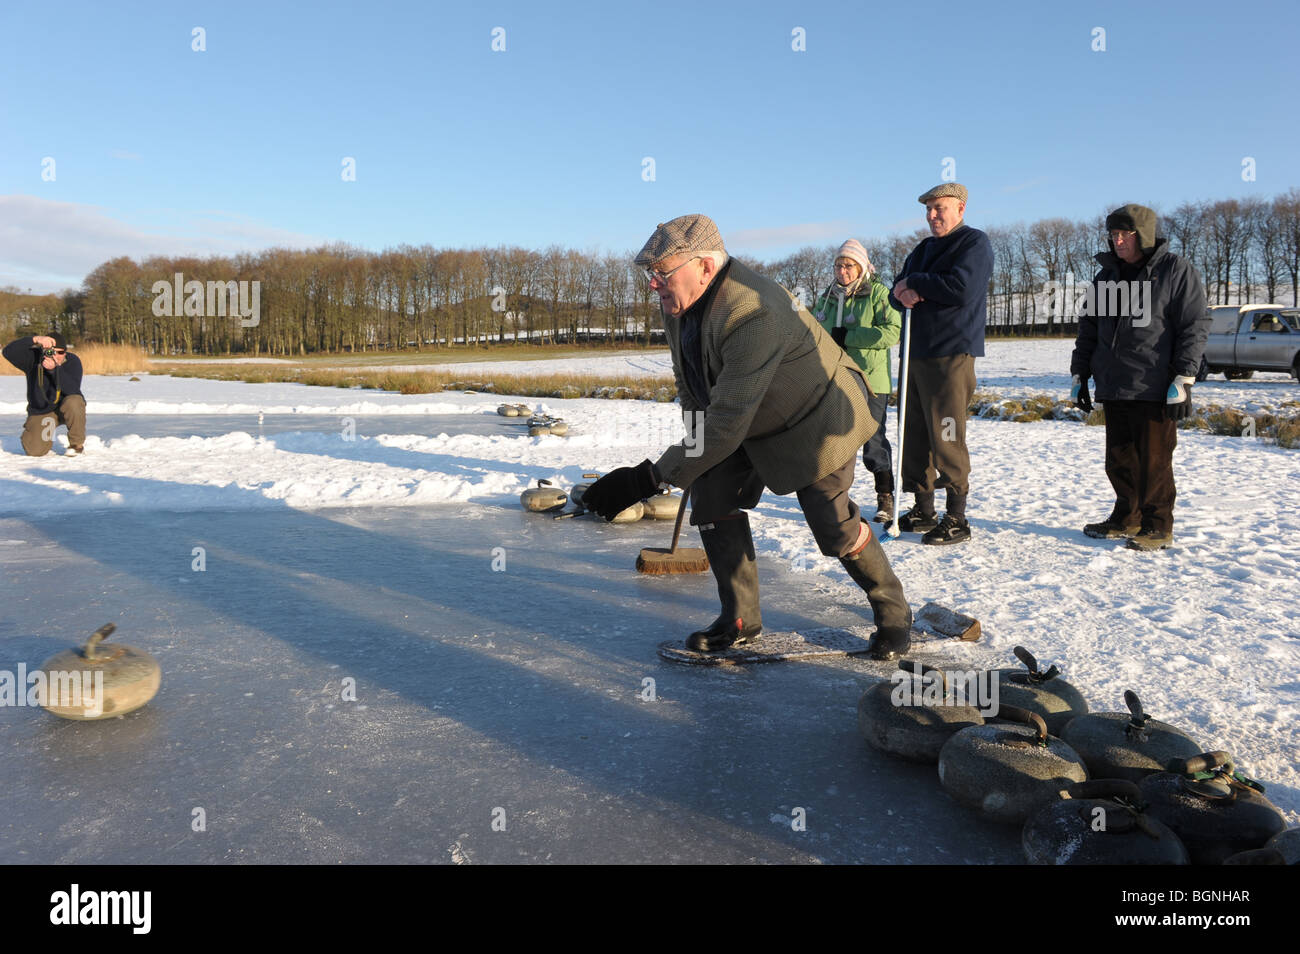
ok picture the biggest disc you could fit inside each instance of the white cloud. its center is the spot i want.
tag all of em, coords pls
(47, 245)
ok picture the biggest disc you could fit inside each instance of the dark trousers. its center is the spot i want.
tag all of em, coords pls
(934, 435)
(877, 455)
(734, 485)
(1140, 446)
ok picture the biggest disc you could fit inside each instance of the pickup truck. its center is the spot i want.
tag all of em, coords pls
(1248, 338)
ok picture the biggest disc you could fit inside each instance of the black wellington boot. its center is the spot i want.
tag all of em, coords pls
(731, 557)
(870, 569)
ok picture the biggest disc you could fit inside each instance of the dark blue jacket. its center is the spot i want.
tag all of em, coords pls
(952, 275)
(45, 389)
(1134, 346)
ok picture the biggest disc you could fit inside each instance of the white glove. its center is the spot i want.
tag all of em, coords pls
(1177, 393)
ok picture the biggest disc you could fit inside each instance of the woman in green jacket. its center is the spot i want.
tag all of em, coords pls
(855, 311)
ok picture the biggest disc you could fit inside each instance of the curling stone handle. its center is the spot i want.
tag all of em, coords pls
(543, 482)
(1134, 704)
(591, 476)
(1017, 714)
(97, 637)
(1026, 657)
(1205, 762)
(1106, 788)
(921, 669)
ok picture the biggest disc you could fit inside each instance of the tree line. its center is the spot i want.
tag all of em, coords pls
(342, 298)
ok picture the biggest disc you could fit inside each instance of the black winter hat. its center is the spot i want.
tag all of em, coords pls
(1135, 218)
(59, 341)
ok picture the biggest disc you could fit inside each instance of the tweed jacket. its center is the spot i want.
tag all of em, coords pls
(779, 386)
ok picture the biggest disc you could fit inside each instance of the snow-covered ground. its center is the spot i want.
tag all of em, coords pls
(1011, 367)
(1207, 632)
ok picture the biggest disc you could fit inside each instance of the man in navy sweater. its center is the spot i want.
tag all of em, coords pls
(53, 392)
(945, 283)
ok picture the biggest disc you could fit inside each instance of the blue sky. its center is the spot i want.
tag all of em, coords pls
(159, 149)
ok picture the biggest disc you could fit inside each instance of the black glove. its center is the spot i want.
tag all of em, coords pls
(620, 489)
(1079, 394)
(839, 334)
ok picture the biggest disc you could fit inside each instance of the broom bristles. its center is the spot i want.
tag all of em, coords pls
(656, 561)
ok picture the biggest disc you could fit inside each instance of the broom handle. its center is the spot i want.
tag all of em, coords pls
(906, 349)
(677, 527)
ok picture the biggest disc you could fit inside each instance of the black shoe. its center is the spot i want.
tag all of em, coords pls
(917, 521)
(1111, 529)
(884, 508)
(949, 530)
(889, 642)
(723, 634)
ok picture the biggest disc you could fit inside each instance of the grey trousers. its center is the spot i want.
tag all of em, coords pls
(734, 485)
(934, 435)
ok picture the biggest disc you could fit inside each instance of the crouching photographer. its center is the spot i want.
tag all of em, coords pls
(53, 392)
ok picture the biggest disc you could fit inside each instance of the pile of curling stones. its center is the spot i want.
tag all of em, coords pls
(539, 424)
(548, 498)
(1100, 788)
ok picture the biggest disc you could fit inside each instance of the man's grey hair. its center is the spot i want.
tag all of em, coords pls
(719, 258)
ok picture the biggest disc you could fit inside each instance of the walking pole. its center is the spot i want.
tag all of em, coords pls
(892, 531)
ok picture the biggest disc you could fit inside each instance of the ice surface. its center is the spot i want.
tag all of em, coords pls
(522, 690)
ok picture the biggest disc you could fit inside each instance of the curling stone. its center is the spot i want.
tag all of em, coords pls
(1007, 771)
(630, 515)
(508, 410)
(909, 714)
(1044, 692)
(542, 426)
(121, 680)
(1129, 745)
(1100, 822)
(1286, 843)
(662, 506)
(1257, 856)
(579, 489)
(543, 498)
(1215, 810)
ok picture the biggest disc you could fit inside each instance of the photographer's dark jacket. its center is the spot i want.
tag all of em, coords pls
(45, 389)
(1132, 356)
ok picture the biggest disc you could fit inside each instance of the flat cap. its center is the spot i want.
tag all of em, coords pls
(954, 189)
(686, 233)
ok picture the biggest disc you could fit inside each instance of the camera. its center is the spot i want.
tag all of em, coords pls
(49, 352)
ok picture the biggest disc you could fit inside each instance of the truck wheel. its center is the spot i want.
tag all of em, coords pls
(1295, 368)
(1203, 371)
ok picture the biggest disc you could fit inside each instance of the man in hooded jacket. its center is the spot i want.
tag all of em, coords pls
(1141, 337)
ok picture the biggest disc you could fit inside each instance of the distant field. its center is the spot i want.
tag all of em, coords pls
(370, 359)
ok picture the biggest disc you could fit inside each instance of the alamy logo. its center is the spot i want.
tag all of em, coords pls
(103, 907)
(76, 689)
(215, 300)
(1070, 299)
(969, 687)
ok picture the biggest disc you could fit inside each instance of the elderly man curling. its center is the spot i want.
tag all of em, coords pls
(783, 407)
